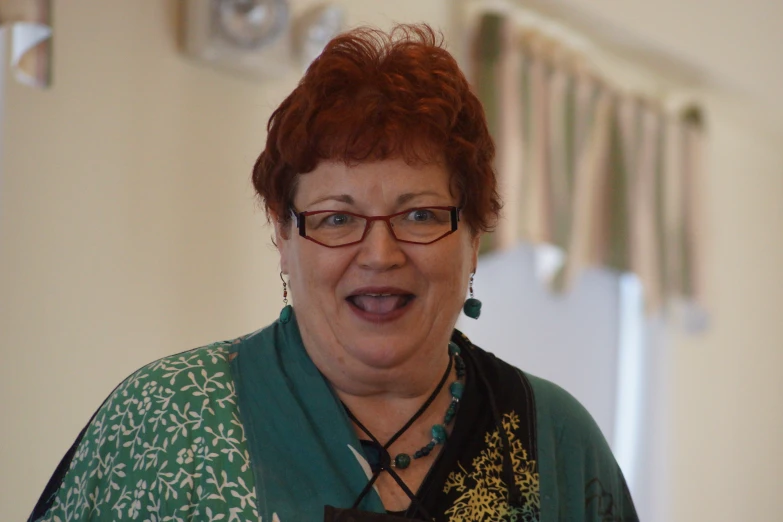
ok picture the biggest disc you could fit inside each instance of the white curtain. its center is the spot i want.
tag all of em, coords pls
(598, 343)
(29, 24)
(609, 177)
(605, 182)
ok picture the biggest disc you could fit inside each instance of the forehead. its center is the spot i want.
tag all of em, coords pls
(381, 182)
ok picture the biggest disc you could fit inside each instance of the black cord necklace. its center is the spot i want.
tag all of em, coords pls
(378, 453)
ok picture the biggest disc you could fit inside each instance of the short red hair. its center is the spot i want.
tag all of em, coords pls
(371, 96)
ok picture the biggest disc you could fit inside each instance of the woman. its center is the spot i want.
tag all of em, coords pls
(361, 402)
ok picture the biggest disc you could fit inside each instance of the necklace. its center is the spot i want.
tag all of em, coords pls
(378, 456)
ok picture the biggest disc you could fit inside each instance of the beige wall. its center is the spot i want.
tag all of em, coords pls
(128, 225)
(128, 231)
(727, 392)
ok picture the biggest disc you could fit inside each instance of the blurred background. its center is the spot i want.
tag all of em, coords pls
(129, 229)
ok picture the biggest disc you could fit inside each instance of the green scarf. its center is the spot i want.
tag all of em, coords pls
(304, 453)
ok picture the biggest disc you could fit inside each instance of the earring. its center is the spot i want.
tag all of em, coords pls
(472, 306)
(287, 311)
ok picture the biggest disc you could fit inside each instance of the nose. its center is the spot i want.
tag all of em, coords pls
(380, 250)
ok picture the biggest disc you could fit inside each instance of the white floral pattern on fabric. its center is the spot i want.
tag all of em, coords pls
(168, 445)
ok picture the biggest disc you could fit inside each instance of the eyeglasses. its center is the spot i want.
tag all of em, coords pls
(337, 228)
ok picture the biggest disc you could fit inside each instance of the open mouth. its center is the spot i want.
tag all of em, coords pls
(380, 303)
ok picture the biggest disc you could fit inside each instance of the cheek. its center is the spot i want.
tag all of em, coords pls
(315, 270)
(449, 266)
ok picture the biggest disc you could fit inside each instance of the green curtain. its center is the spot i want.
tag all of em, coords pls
(608, 177)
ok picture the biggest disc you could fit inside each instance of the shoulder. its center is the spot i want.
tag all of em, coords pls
(561, 411)
(556, 410)
(148, 397)
(558, 414)
(211, 356)
(201, 374)
(578, 475)
(164, 441)
(176, 373)
(580, 478)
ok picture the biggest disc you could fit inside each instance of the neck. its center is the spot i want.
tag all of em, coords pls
(384, 399)
(395, 391)
(354, 380)
(408, 382)
(386, 418)
(383, 391)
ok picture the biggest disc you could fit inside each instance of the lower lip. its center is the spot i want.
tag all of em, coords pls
(380, 318)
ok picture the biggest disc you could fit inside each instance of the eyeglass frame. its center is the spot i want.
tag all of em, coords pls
(454, 213)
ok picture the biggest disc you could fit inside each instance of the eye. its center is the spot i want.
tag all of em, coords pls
(336, 220)
(421, 215)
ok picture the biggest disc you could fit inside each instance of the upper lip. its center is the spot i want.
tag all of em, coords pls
(379, 290)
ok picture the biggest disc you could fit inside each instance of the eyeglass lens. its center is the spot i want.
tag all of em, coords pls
(418, 225)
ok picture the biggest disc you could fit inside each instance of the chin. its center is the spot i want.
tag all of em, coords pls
(382, 351)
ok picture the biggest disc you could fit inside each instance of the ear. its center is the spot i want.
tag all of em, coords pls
(283, 231)
(475, 244)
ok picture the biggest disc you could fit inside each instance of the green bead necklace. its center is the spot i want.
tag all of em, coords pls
(377, 454)
(438, 431)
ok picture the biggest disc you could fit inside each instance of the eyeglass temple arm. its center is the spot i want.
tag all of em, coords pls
(300, 221)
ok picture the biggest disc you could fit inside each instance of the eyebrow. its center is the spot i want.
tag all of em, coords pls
(404, 198)
(342, 198)
(401, 199)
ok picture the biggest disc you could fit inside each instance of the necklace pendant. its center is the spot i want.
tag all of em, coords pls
(402, 461)
(439, 433)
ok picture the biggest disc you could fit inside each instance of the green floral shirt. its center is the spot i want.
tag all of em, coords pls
(167, 445)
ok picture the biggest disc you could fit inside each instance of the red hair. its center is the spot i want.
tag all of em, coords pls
(371, 96)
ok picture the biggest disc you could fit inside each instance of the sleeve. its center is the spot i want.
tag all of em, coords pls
(95, 469)
(49, 494)
(579, 476)
(167, 444)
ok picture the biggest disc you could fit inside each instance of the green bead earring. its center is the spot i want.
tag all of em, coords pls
(287, 311)
(472, 306)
